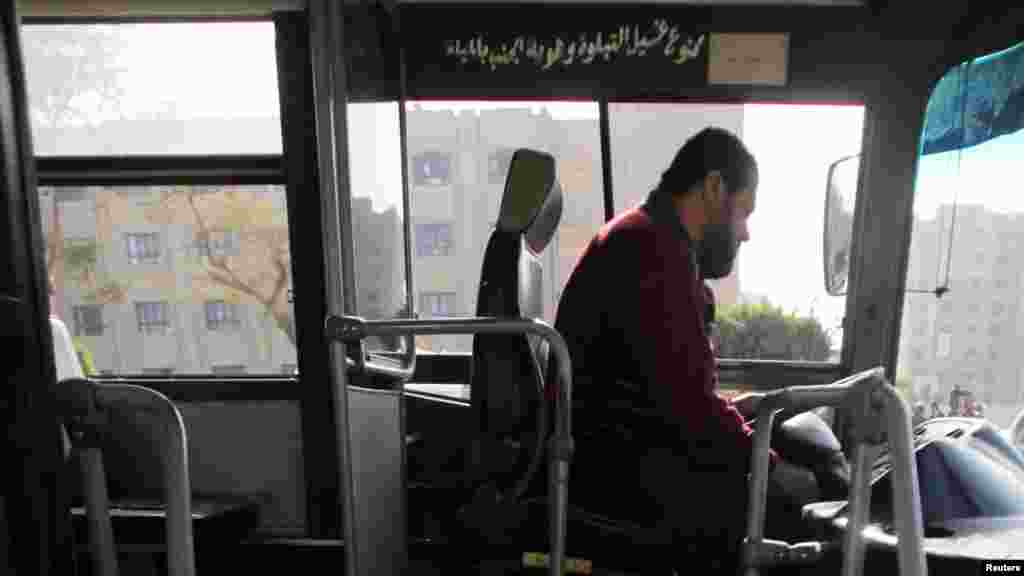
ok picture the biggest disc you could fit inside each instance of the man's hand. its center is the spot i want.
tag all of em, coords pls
(747, 404)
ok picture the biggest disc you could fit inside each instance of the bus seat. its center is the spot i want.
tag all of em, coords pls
(507, 378)
(89, 412)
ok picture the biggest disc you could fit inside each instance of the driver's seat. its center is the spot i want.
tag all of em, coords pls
(511, 411)
(507, 398)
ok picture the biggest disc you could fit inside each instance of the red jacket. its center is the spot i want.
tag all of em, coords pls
(633, 316)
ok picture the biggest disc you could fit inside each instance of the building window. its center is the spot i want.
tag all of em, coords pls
(142, 247)
(221, 315)
(497, 165)
(972, 329)
(229, 370)
(433, 240)
(972, 354)
(152, 317)
(998, 308)
(218, 243)
(437, 304)
(431, 168)
(88, 319)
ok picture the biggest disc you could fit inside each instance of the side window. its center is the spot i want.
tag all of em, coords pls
(763, 312)
(378, 215)
(966, 227)
(150, 276)
(479, 139)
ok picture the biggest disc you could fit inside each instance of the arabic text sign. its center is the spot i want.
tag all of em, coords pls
(659, 39)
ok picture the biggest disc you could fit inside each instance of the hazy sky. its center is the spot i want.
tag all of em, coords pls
(229, 67)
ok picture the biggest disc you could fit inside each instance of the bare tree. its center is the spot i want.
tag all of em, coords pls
(258, 267)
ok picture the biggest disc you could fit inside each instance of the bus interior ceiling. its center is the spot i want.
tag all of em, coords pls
(269, 438)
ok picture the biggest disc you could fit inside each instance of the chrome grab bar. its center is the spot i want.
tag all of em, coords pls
(878, 414)
(354, 329)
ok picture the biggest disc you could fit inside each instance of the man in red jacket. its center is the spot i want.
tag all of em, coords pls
(652, 433)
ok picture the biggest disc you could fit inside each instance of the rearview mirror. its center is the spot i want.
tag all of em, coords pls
(840, 195)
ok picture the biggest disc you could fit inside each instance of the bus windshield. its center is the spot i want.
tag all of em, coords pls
(958, 351)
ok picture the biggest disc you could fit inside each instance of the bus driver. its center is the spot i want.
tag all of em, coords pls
(650, 429)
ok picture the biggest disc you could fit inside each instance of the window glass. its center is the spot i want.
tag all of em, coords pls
(146, 297)
(459, 153)
(966, 230)
(152, 88)
(773, 305)
(983, 225)
(378, 215)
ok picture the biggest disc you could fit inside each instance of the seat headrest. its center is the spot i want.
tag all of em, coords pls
(529, 184)
(540, 233)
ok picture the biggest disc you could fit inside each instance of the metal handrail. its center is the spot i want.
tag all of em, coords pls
(173, 451)
(354, 329)
(878, 414)
(86, 403)
(400, 376)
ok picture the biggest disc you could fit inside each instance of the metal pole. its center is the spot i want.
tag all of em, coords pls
(97, 511)
(874, 407)
(352, 329)
(329, 85)
(906, 495)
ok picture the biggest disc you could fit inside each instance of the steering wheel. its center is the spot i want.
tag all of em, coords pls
(806, 440)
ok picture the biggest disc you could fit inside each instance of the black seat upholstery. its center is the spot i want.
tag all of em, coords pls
(508, 370)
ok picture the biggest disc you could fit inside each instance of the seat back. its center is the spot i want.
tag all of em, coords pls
(508, 370)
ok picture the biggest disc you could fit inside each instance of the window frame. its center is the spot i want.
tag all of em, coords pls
(296, 170)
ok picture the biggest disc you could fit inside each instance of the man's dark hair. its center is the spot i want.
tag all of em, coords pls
(710, 150)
